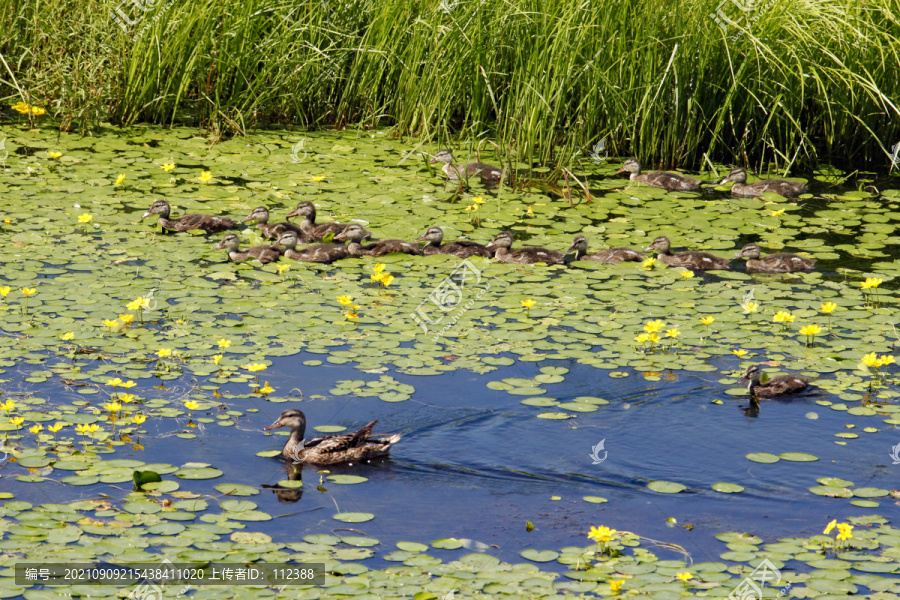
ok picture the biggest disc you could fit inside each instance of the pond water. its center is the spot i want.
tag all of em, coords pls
(501, 407)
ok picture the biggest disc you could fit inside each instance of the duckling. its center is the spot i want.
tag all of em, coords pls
(660, 179)
(780, 262)
(208, 223)
(355, 234)
(260, 214)
(488, 173)
(330, 449)
(779, 186)
(264, 254)
(529, 255)
(460, 248)
(610, 256)
(697, 261)
(319, 253)
(315, 232)
(782, 385)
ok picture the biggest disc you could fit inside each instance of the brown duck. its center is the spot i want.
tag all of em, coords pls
(460, 248)
(331, 449)
(307, 210)
(318, 253)
(264, 254)
(758, 188)
(260, 214)
(355, 233)
(610, 256)
(660, 179)
(488, 173)
(694, 260)
(527, 255)
(782, 385)
(780, 262)
(208, 223)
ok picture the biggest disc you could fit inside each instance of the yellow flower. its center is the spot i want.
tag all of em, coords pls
(750, 307)
(5, 290)
(266, 389)
(352, 314)
(37, 427)
(120, 179)
(168, 167)
(85, 218)
(164, 352)
(687, 274)
(205, 176)
(345, 300)
(192, 405)
(127, 318)
(53, 155)
(653, 337)
(379, 267)
(648, 263)
(142, 302)
(828, 307)
(783, 317)
(644, 337)
(871, 360)
(110, 323)
(319, 178)
(223, 343)
(478, 200)
(844, 531)
(615, 586)
(22, 107)
(87, 429)
(8, 405)
(216, 358)
(37, 111)
(67, 336)
(673, 333)
(684, 576)
(113, 407)
(138, 419)
(810, 330)
(17, 421)
(528, 303)
(114, 382)
(471, 207)
(28, 291)
(707, 320)
(379, 277)
(654, 326)
(739, 353)
(254, 367)
(529, 212)
(776, 213)
(126, 398)
(387, 280)
(886, 359)
(56, 426)
(602, 534)
(870, 282)
(128, 384)
(282, 268)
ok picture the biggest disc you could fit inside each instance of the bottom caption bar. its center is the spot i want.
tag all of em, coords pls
(169, 573)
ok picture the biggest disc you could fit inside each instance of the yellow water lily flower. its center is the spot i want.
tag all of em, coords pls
(615, 586)
(687, 274)
(528, 303)
(707, 320)
(85, 218)
(828, 307)
(56, 426)
(216, 358)
(112, 406)
(266, 389)
(345, 300)
(120, 179)
(168, 167)
(478, 200)
(114, 382)
(8, 405)
(53, 155)
(845, 531)
(282, 268)
(870, 360)
(254, 367)
(529, 212)
(648, 263)
(205, 176)
(673, 333)
(37, 427)
(5, 290)
(379, 277)
(352, 314)
(126, 398)
(387, 279)
(810, 330)
(739, 353)
(127, 384)
(138, 419)
(654, 326)
(192, 405)
(17, 421)
(164, 352)
(886, 359)
(37, 111)
(127, 318)
(22, 107)
(602, 534)
(870, 282)
(750, 307)
(642, 338)
(223, 343)
(684, 576)
(28, 291)
(67, 336)
(783, 317)
(379, 267)
(110, 323)
(319, 178)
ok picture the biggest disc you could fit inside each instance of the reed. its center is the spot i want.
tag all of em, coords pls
(535, 82)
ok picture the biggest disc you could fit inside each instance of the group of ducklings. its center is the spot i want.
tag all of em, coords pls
(289, 235)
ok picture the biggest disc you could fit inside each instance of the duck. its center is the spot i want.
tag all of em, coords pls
(780, 262)
(355, 233)
(315, 232)
(330, 449)
(781, 187)
(460, 248)
(610, 256)
(264, 254)
(208, 223)
(660, 179)
(528, 255)
(488, 173)
(782, 385)
(318, 253)
(260, 214)
(694, 260)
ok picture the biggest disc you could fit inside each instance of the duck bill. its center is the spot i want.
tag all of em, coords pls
(146, 214)
(726, 180)
(744, 378)
(220, 246)
(274, 425)
(571, 249)
(245, 219)
(432, 161)
(421, 238)
(620, 171)
(291, 214)
(491, 244)
(339, 237)
(649, 248)
(738, 255)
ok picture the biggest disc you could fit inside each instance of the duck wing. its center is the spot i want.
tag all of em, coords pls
(340, 443)
(208, 223)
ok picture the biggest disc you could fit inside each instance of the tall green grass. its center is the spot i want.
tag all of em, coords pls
(534, 81)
